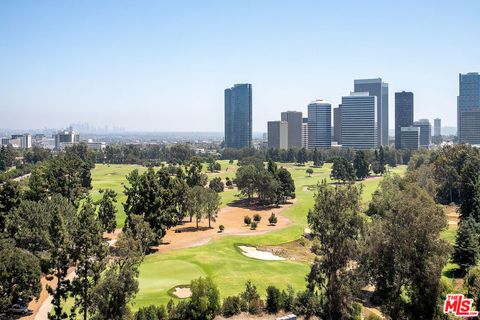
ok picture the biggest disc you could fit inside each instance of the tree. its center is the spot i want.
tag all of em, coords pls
(60, 260)
(195, 177)
(287, 185)
(336, 225)
(216, 184)
(154, 196)
(404, 254)
(309, 171)
(151, 312)
(140, 230)
(470, 191)
(19, 276)
(205, 300)
(302, 156)
(10, 197)
(231, 306)
(112, 294)
(257, 217)
(317, 158)
(194, 204)
(7, 157)
(360, 165)
(107, 209)
(89, 252)
(467, 246)
(381, 160)
(251, 298)
(342, 170)
(211, 203)
(472, 283)
(274, 303)
(246, 179)
(247, 220)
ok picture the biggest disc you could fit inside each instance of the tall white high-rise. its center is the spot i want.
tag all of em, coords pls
(359, 114)
(319, 124)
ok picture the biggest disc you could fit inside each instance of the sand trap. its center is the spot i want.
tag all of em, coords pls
(182, 293)
(252, 252)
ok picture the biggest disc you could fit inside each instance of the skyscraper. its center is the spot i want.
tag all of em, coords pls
(468, 102)
(403, 114)
(376, 87)
(319, 124)
(337, 124)
(238, 116)
(409, 138)
(437, 127)
(425, 132)
(359, 130)
(278, 134)
(294, 119)
(305, 133)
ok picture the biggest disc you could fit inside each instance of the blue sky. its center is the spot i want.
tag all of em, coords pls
(163, 65)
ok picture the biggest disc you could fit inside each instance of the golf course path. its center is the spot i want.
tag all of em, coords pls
(231, 217)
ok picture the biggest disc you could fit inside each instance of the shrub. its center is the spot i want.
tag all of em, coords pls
(253, 225)
(306, 304)
(229, 183)
(288, 298)
(274, 300)
(231, 306)
(216, 185)
(247, 220)
(372, 316)
(357, 311)
(272, 219)
(257, 217)
(251, 298)
(151, 313)
(180, 311)
(205, 300)
(231, 161)
(221, 227)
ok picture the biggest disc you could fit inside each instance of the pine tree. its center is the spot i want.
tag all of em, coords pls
(466, 248)
(107, 210)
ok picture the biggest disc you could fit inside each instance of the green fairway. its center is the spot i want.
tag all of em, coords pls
(220, 259)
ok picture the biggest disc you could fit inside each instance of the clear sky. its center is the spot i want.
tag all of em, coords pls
(163, 65)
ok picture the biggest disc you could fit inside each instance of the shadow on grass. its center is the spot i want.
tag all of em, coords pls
(254, 204)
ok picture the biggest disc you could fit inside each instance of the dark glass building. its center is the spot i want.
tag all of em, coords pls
(294, 119)
(468, 103)
(238, 116)
(337, 124)
(319, 124)
(376, 87)
(403, 114)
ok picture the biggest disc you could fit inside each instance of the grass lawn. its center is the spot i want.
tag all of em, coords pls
(220, 259)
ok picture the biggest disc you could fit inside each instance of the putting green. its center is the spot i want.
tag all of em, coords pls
(220, 259)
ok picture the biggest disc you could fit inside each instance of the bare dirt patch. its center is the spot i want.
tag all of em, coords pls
(298, 250)
(231, 217)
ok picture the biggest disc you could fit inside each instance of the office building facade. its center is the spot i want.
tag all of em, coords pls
(403, 114)
(337, 124)
(470, 126)
(294, 119)
(410, 138)
(305, 133)
(359, 114)
(66, 138)
(277, 132)
(319, 124)
(425, 132)
(437, 127)
(378, 88)
(238, 116)
(468, 100)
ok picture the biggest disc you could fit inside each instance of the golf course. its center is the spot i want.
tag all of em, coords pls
(218, 255)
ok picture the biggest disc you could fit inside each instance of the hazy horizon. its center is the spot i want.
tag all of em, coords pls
(163, 66)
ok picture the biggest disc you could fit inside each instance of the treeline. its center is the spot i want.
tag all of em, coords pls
(53, 228)
(452, 176)
(11, 167)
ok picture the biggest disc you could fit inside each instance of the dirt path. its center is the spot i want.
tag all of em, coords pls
(186, 235)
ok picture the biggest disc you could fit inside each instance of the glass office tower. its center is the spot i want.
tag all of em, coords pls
(238, 116)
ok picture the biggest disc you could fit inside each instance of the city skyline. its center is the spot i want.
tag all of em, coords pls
(133, 64)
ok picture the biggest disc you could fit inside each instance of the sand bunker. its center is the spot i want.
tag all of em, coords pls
(252, 252)
(182, 293)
